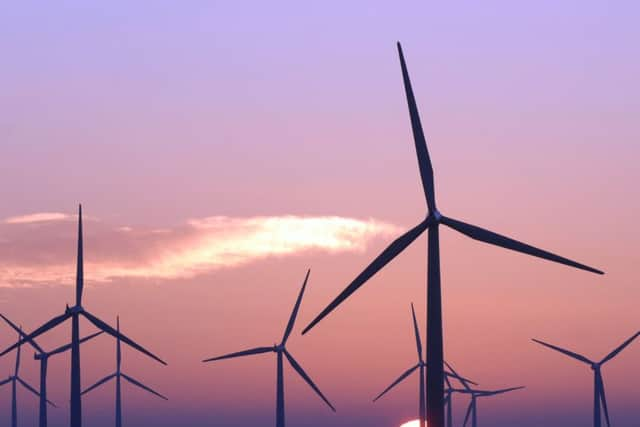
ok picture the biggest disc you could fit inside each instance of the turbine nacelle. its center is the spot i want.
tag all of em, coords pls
(278, 348)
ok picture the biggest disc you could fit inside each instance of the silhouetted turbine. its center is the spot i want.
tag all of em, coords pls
(43, 357)
(473, 407)
(421, 365)
(599, 398)
(280, 350)
(450, 390)
(118, 375)
(74, 314)
(435, 376)
(14, 380)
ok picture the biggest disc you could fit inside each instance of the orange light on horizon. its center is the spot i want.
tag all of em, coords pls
(413, 423)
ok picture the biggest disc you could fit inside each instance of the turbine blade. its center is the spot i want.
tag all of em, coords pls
(257, 350)
(32, 390)
(142, 386)
(465, 382)
(42, 329)
(3, 382)
(66, 347)
(404, 375)
(108, 329)
(466, 417)
(619, 349)
(567, 352)
(99, 383)
(487, 236)
(308, 380)
(424, 161)
(459, 378)
(603, 398)
(417, 332)
(22, 334)
(294, 313)
(504, 390)
(383, 259)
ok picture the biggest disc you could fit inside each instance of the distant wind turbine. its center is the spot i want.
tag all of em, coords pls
(118, 374)
(43, 357)
(450, 390)
(281, 351)
(14, 380)
(421, 365)
(435, 352)
(74, 314)
(472, 410)
(599, 398)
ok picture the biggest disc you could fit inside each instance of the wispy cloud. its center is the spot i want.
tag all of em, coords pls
(38, 217)
(199, 246)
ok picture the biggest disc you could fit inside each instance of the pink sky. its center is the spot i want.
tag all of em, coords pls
(219, 151)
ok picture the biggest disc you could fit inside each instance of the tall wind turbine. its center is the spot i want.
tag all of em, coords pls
(421, 365)
(118, 375)
(599, 398)
(281, 351)
(472, 410)
(74, 314)
(14, 380)
(43, 357)
(435, 375)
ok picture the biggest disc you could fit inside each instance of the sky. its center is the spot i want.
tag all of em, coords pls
(220, 149)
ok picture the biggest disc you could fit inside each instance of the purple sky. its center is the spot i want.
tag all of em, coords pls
(222, 148)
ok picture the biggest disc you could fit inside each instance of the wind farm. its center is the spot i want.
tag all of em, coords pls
(172, 173)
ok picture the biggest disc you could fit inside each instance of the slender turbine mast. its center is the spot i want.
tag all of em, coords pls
(43, 357)
(421, 365)
(118, 374)
(14, 380)
(599, 397)
(281, 351)
(435, 347)
(472, 409)
(74, 314)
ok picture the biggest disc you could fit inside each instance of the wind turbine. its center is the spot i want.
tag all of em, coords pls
(74, 314)
(14, 380)
(118, 375)
(281, 352)
(435, 375)
(421, 365)
(473, 407)
(599, 398)
(450, 390)
(43, 357)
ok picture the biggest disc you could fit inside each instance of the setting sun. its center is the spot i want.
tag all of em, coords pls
(414, 423)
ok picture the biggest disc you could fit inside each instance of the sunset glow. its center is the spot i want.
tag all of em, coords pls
(200, 246)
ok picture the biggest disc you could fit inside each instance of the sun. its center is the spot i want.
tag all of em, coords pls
(414, 423)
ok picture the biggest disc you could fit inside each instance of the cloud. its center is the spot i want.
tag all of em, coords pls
(197, 247)
(38, 217)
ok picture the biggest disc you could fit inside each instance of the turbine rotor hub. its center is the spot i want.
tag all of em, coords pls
(278, 348)
(435, 216)
(75, 309)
